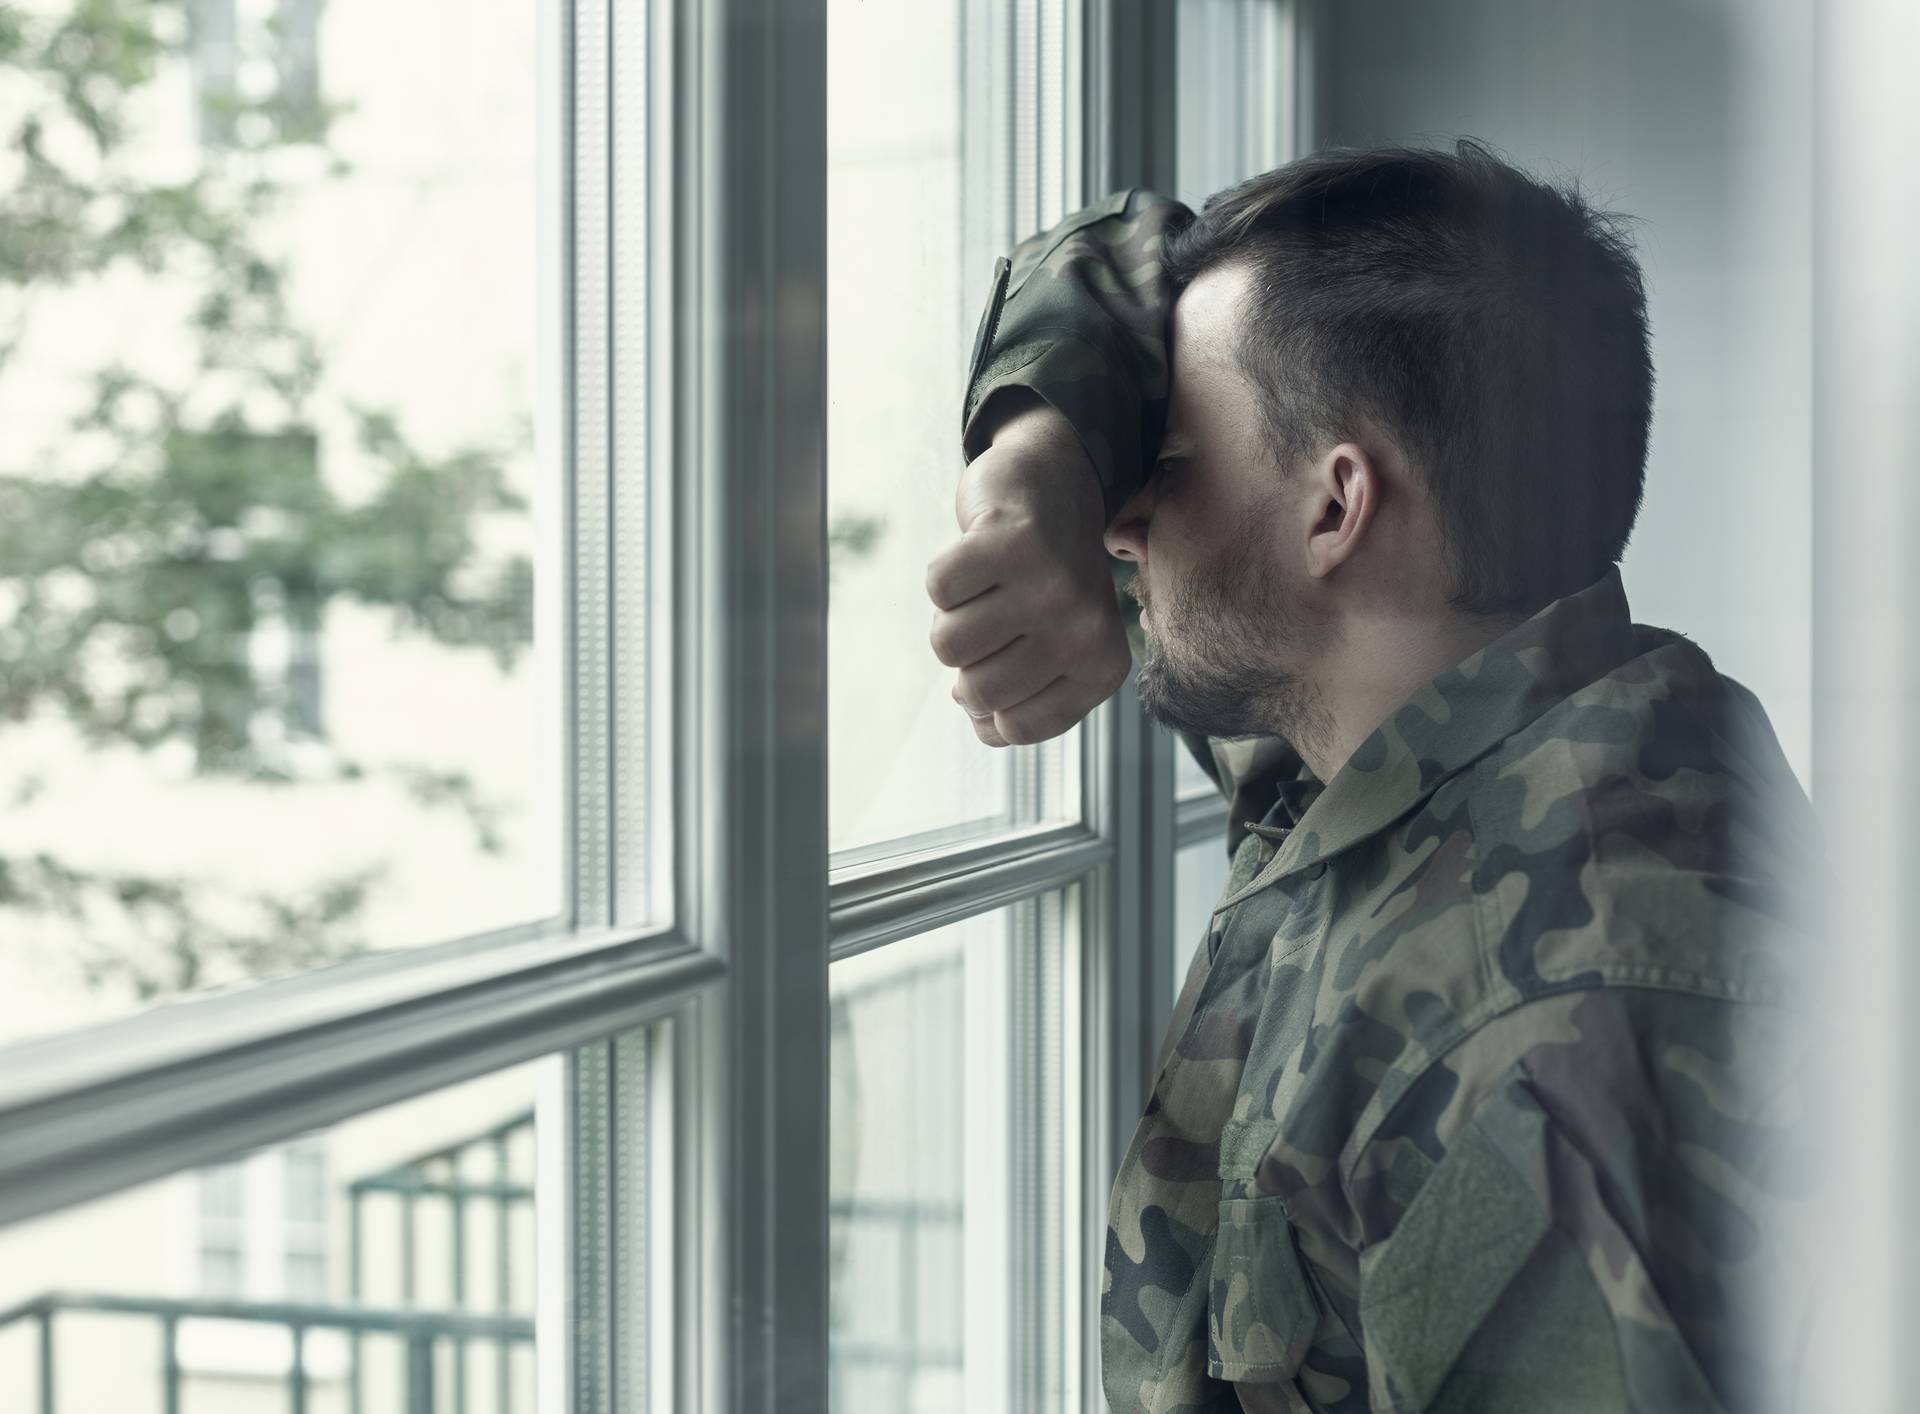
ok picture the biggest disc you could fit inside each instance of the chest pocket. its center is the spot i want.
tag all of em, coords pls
(1262, 1315)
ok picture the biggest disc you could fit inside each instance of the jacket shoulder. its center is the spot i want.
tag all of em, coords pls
(1640, 832)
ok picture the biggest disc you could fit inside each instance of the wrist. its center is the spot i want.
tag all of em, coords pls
(1039, 460)
(1037, 480)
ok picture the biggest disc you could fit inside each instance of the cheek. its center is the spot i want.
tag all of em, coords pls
(1238, 562)
(1187, 529)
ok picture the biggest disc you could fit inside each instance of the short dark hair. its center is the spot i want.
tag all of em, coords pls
(1494, 325)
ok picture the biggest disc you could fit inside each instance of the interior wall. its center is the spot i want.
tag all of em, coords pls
(1695, 117)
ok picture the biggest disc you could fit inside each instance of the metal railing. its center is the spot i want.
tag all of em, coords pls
(419, 1330)
(442, 1175)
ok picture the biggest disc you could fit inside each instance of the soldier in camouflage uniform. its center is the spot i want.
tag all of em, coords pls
(1487, 1089)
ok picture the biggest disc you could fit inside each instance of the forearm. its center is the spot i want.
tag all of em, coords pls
(1055, 473)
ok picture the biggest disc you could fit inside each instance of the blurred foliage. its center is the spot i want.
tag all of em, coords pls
(152, 936)
(851, 538)
(187, 510)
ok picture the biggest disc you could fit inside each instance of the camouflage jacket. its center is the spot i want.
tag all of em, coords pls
(1487, 1089)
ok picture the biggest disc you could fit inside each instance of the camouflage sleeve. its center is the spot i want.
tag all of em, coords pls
(1079, 316)
(1615, 1219)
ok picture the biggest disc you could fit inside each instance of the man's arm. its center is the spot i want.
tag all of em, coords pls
(1078, 322)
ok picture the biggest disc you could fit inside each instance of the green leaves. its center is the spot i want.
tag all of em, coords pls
(134, 594)
(195, 507)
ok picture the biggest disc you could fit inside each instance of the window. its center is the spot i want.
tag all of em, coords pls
(960, 1267)
(312, 732)
(1199, 876)
(223, 1230)
(281, 494)
(1244, 93)
(307, 1239)
(264, 1225)
(919, 204)
(478, 781)
(953, 1176)
(256, 70)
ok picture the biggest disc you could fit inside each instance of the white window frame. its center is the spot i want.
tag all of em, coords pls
(689, 986)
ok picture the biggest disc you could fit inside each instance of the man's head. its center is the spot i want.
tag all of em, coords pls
(1407, 387)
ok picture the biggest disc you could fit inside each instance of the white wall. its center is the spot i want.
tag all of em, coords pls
(1694, 117)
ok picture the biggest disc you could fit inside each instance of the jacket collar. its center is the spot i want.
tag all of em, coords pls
(1448, 724)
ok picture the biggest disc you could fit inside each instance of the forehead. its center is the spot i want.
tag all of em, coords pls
(1206, 382)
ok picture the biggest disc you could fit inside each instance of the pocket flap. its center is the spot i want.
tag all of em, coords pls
(1426, 1289)
(1262, 1315)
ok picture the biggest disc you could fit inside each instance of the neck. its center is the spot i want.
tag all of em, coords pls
(1374, 666)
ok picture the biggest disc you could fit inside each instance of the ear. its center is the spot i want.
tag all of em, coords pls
(1342, 492)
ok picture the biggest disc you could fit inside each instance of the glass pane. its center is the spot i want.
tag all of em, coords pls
(306, 1276)
(902, 308)
(221, 1273)
(1199, 876)
(1235, 94)
(306, 1183)
(420, 1279)
(223, 1192)
(270, 693)
(957, 1270)
(1188, 778)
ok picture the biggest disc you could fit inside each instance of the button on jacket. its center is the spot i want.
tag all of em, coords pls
(1487, 1089)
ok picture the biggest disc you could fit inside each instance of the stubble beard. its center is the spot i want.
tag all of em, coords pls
(1215, 648)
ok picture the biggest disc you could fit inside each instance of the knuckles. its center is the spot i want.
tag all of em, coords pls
(941, 638)
(939, 581)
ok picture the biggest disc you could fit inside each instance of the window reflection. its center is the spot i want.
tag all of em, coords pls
(955, 1266)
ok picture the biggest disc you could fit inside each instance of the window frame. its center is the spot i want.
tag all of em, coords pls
(685, 159)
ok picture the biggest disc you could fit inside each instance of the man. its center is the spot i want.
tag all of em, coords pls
(1487, 1087)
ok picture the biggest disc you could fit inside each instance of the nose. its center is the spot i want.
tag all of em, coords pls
(1126, 538)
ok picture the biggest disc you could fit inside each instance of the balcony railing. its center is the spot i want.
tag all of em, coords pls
(417, 1330)
(446, 1175)
(476, 1178)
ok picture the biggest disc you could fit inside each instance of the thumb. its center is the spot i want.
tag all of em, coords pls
(978, 493)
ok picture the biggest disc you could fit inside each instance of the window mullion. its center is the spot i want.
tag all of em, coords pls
(753, 475)
(1130, 61)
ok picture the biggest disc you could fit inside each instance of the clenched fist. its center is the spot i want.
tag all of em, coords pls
(1024, 599)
